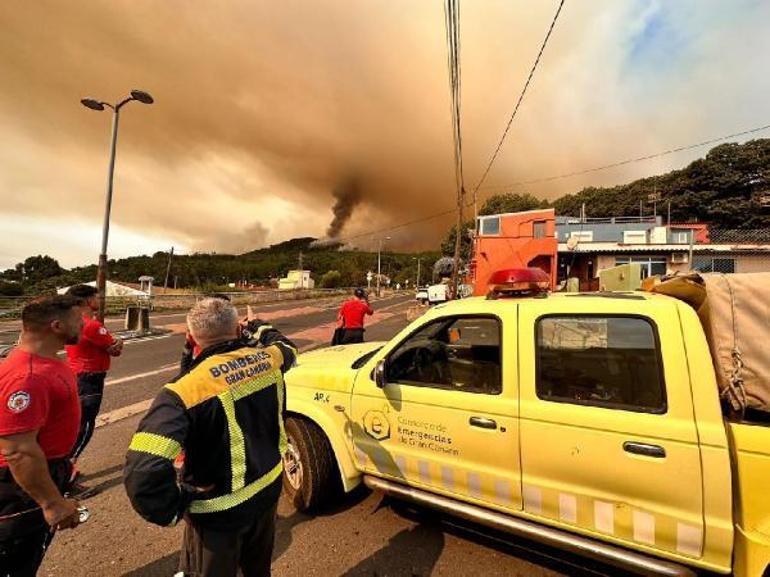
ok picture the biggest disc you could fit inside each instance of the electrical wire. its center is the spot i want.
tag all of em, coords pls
(556, 177)
(520, 100)
(625, 162)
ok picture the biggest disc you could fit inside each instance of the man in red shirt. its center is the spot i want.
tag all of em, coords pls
(351, 317)
(90, 360)
(39, 419)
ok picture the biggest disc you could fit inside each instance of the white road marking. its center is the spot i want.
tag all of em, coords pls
(123, 413)
(145, 339)
(163, 369)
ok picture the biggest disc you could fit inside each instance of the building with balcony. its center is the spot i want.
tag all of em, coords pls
(587, 246)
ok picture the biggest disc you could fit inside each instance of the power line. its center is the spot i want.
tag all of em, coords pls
(560, 176)
(628, 161)
(519, 101)
(452, 23)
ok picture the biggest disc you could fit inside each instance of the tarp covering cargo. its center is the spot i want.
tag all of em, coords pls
(734, 310)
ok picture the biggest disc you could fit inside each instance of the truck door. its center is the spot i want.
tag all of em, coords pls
(446, 419)
(608, 439)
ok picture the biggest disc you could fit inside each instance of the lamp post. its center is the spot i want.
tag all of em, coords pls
(418, 259)
(98, 105)
(379, 263)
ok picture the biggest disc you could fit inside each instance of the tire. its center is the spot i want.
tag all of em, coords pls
(310, 476)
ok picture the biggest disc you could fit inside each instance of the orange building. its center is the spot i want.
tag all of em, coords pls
(513, 240)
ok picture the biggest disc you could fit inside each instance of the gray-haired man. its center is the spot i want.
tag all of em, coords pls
(226, 414)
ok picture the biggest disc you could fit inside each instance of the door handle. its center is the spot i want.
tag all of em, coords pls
(644, 449)
(483, 423)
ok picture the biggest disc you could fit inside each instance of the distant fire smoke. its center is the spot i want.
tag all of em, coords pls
(347, 195)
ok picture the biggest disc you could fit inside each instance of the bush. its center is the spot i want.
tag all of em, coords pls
(331, 279)
(11, 289)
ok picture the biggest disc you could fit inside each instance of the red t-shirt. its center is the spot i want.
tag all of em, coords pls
(353, 312)
(90, 354)
(39, 394)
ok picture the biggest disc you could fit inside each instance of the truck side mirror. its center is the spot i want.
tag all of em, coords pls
(380, 374)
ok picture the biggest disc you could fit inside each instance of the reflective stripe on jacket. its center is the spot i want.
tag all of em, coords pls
(226, 415)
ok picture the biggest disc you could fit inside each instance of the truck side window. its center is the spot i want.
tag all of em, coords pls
(454, 353)
(607, 361)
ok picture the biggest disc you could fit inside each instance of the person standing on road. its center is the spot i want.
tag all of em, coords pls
(90, 360)
(351, 317)
(39, 420)
(226, 414)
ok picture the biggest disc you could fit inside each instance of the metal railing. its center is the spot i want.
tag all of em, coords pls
(10, 307)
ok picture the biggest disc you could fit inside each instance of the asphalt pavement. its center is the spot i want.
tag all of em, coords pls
(365, 535)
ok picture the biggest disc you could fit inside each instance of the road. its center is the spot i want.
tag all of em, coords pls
(366, 535)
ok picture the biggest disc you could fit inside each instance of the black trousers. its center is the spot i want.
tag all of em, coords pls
(24, 533)
(22, 556)
(351, 336)
(90, 390)
(209, 553)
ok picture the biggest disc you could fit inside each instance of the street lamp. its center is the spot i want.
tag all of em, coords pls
(379, 263)
(418, 259)
(98, 105)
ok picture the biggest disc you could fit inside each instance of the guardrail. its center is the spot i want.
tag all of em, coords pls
(10, 307)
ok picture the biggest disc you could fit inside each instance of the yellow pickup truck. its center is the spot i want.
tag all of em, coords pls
(591, 422)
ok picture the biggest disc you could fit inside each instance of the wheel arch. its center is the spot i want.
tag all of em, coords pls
(350, 476)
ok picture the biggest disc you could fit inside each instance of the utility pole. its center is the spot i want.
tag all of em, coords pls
(300, 261)
(418, 259)
(692, 242)
(668, 221)
(458, 238)
(168, 270)
(379, 264)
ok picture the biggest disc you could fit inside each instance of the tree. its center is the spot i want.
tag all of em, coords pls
(511, 202)
(40, 267)
(448, 244)
(330, 279)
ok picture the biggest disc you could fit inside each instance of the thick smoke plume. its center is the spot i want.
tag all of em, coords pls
(263, 110)
(347, 195)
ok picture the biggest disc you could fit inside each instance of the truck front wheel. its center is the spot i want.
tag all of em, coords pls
(310, 476)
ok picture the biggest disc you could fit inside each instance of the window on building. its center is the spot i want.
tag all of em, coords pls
(651, 265)
(713, 264)
(606, 361)
(489, 226)
(680, 237)
(453, 353)
(538, 229)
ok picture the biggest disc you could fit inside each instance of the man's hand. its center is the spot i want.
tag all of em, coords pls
(29, 468)
(62, 514)
(116, 348)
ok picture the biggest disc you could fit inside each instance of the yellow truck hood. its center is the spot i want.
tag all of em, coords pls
(330, 368)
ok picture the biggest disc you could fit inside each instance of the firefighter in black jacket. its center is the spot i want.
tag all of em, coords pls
(225, 413)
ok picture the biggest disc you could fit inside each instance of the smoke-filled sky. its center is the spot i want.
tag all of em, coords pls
(267, 111)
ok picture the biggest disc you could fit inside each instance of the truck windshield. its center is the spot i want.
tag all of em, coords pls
(361, 361)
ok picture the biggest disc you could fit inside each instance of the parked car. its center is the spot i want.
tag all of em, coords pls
(421, 295)
(438, 293)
